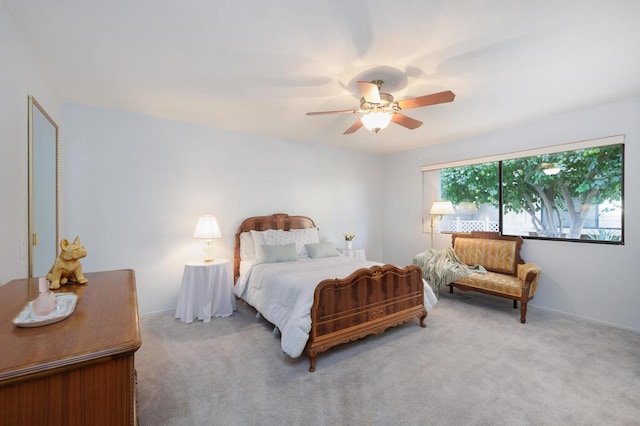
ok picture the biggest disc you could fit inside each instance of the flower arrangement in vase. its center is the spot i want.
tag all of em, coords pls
(348, 240)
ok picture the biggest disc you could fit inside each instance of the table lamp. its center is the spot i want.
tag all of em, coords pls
(207, 229)
(439, 208)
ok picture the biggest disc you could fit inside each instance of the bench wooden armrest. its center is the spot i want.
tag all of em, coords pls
(529, 273)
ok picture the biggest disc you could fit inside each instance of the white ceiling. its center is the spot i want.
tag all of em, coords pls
(257, 66)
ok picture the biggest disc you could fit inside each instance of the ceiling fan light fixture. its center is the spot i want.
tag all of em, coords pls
(376, 120)
(378, 109)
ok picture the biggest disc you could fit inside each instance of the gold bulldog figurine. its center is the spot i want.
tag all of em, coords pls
(67, 266)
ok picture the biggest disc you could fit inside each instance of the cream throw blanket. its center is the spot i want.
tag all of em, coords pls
(442, 267)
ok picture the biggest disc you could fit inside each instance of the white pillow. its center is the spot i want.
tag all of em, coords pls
(247, 249)
(278, 237)
(258, 242)
(275, 237)
(310, 235)
(298, 236)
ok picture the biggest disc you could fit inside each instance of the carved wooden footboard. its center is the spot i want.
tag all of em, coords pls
(366, 302)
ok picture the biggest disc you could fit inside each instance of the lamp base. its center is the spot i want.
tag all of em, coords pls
(208, 251)
(432, 225)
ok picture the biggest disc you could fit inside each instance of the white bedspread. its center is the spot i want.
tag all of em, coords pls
(283, 293)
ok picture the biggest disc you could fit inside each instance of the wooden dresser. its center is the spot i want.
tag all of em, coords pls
(79, 371)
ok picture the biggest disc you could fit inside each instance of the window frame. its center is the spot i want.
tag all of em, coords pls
(431, 185)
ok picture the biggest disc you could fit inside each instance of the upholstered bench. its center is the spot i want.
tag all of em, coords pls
(507, 274)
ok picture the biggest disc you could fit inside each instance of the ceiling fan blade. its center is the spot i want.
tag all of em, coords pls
(342, 111)
(353, 128)
(408, 122)
(370, 91)
(432, 99)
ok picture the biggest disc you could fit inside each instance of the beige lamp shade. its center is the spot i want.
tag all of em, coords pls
(207, 229)
(441, 208)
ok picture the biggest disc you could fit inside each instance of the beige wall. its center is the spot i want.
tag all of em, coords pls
(20, 76)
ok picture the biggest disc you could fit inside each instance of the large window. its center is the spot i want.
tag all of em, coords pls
(570, 194)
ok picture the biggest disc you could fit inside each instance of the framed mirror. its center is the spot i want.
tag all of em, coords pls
(43, 190)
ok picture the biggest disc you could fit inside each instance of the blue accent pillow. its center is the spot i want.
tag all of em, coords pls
(279, 253)
(324, 249)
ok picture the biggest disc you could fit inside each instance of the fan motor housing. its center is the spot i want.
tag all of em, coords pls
(386, 104)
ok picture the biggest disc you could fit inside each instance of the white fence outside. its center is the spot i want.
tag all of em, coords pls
(460, 225)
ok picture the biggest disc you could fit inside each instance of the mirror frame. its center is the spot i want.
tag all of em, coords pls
(34, 104)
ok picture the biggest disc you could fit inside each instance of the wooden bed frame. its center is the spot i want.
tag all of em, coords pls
(368, 301)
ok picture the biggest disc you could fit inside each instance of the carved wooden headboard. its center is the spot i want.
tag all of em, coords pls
(281, 221)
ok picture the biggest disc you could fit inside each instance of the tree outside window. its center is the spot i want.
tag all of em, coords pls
(575, 195)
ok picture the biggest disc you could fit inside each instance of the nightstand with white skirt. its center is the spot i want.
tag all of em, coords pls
(206, 291)
(356, 253)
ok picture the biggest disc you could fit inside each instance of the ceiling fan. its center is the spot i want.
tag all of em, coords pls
(378, 108)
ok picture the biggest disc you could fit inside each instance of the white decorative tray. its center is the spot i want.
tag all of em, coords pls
(65, 304)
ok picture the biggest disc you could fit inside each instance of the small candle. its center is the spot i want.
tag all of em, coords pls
(43, 286)
(45, 302)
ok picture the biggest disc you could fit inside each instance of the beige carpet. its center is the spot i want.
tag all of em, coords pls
(474, 364)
